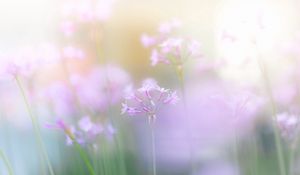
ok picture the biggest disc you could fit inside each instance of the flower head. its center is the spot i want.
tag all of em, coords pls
(288, 125)
(176, 51)
(168, 49)
(148, 99)
(84, 132)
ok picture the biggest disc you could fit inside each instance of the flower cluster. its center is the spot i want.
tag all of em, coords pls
(101, 87)
(148, 100)
(88, 10)
(288, 125)
(168, 49)
(86, 131)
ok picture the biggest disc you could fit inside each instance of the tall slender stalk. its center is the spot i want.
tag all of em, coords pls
(180, 76)
(236, 151)
(84, 158)
(151, 123)
(293, 149)
(6, 162)
(263, 69)
(36, 127)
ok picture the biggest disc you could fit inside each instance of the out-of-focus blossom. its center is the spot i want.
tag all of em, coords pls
(27, 60)
(86, 125)
(176, 51)
(68, 28)
(215, 112)
(59, 96)
(169, 26)
(71, 52)
(147, 40)
(288, 125)
(86, 132)
(168, 49)
(148, 100)
(102, 87)
(88, 10)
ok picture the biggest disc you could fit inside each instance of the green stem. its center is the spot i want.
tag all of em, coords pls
(293, 149)
(153, 148)
(236, 151)
(280, 157)
(84, 158)
(180, 76)
(36, 127)
(6, 162)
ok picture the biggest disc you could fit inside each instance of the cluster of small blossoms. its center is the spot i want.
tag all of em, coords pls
(85, 132)
(168, 49)
(27, 60)
(87, 10)
(148, 100)
(288, 125)
(101, 87)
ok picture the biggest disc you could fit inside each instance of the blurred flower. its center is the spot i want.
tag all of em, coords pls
(147, 40)
(86, 132)
(169, 26)
(103, 86)
(59, 96)
(71, 52)
(168, 49)
(217, 111)
(88, 10)
(288, 125)
(27, 60)
(148, 100)
(68, 28)
(176, 51)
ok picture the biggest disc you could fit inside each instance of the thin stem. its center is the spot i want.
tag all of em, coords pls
(180, 76)
(84, 158)
(153, 148)
(36, 127)
(236, 151)
(255, 155)
(280, 157)
(6, 162)
(293, 149)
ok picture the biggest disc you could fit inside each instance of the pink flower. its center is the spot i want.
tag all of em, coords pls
(169, 26)
(148, 100)
(288, 125)
(86, 125)
(71, 52)
(176, 51)
(60, 96)
(68, 28)
(148, 41)
(88, 10)
(101, 87)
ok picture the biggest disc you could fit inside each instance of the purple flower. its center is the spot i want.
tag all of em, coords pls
(71, 52)
(148, 99)
(88, 10)
(68, 28)
(85, 132)
(169, 26)
(288, 125)
(148, 41)
(168, 49)
(60, 97)
(101, 87)
(176, 51)
(86, 125)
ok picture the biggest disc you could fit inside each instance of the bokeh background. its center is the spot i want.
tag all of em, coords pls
(36, 26)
